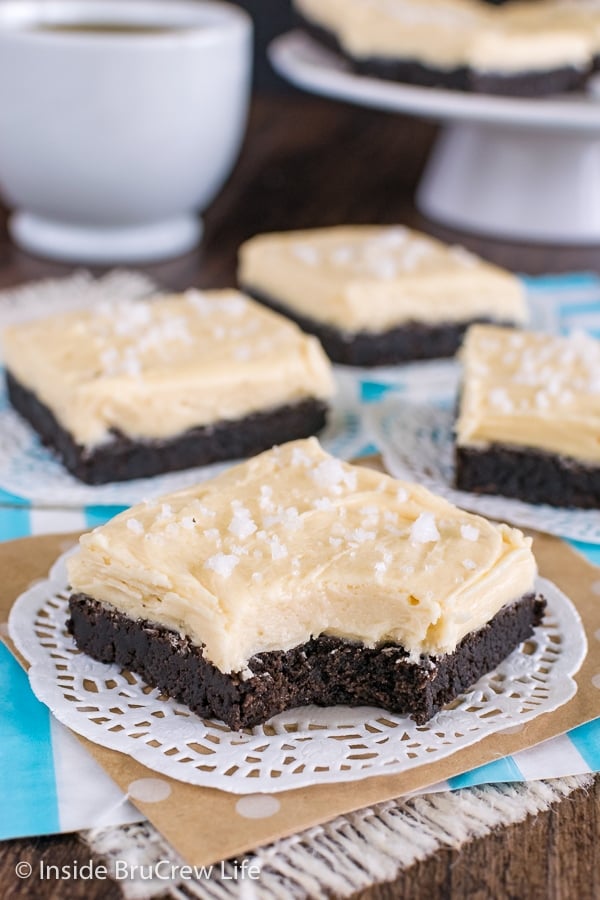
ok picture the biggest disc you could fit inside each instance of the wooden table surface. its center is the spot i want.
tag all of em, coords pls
(309, 162)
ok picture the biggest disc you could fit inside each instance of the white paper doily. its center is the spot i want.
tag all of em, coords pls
(417, 444)
(297, 748)
(30, 470)
(61, 295)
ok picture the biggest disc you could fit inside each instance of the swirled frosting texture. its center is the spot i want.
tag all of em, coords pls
(372, 278)
(153, 369)
(531, 390)
(295, 543)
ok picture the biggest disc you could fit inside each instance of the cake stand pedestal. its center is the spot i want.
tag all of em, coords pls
(514, 183)
(512, 168)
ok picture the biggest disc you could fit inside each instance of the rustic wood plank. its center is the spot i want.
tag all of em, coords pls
(552, 856)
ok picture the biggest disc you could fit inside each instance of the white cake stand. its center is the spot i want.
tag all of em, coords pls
(506, 167)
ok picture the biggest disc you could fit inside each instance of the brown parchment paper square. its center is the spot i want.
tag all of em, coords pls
(202, 824)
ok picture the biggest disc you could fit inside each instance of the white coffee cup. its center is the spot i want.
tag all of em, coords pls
(112, 141)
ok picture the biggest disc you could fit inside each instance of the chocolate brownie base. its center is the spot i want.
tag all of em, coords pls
(123, 458)
(529, 84)
(461, 78)
(406, 71)
(534, 476)
(405, 343)
(326, 671)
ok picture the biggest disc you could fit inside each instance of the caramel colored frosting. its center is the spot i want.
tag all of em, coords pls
(373, 278)
(155, 368)
(448, 34)
(295, 543)
(566, 16)
(531, 390)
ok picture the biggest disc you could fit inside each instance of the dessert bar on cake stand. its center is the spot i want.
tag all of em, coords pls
(506, 167)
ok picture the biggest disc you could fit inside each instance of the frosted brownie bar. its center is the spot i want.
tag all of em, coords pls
(375, 295)
(295, 578)
(134, 389)
(529, 417)
(521, 49)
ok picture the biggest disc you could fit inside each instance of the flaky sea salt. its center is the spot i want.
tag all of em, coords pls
(242, 353)
(131, 365)
(369, 510)
(401, 495)
(413, 254)
(109, 360)
(342, 255)
(107, 308)
(188, 522)
(593, 385)
(135, 525)
(383, 269)
(131, 317)
(469, 532)
(265, 502)
(278, 550)
(235, 305)
(463, 256)
(393, 529)
(291, 518)
(394, 236)
(222, 563)
(174, 328)
(322, 503)
(381, 567)
(499, 398)
(204, 510)
(288, 516)
(424, 529)
(306, 253)
(553, 385)
(242, 524)
(239, 550)
(199, 301)
(300, 457)
(360, 535)
(469, 564)
(331, 475)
